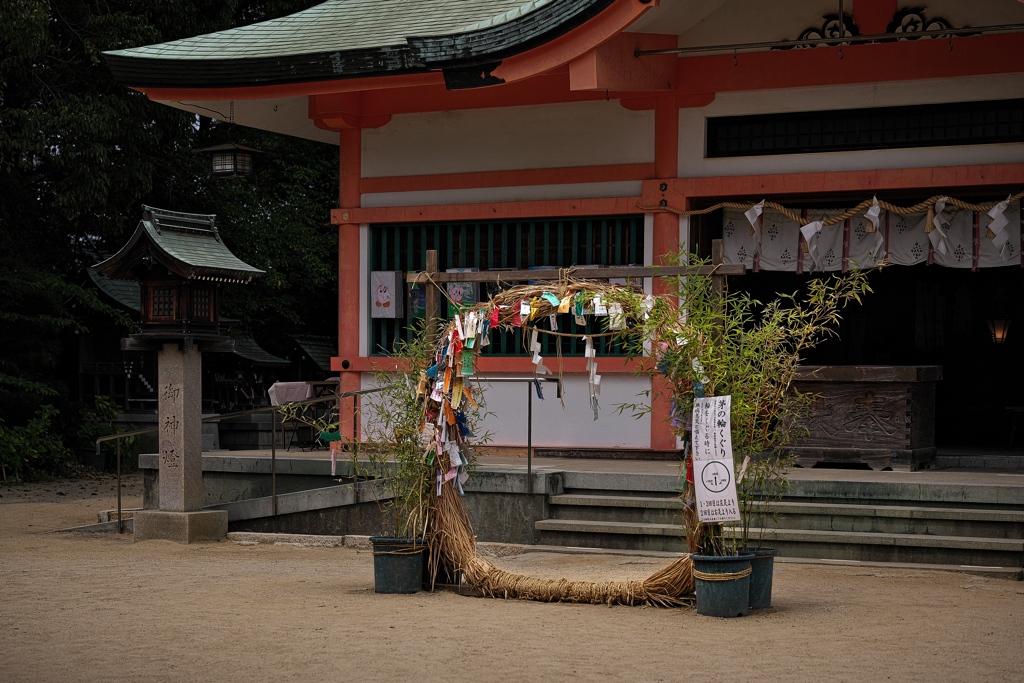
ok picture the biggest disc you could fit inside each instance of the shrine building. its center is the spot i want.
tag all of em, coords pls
(508, 134)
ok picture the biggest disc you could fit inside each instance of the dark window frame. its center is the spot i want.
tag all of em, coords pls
(851, 130)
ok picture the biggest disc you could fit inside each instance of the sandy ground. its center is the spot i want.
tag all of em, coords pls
(99, 608)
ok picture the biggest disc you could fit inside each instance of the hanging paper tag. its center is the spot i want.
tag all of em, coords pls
(581, 321)
(599, 307)
(494, 316)
(458, 326)
(648, 305)
(467, 363)
(535, 308)
(453, 454)
(616, 318)
(551, 298)
(563, 305)
(872, 214)
(457, 393)
(753, 214)
(553, 320)
(524, 309)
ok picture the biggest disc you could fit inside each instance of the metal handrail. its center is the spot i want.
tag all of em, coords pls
(354, 395)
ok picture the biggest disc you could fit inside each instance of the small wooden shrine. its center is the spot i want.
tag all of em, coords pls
(180, 262)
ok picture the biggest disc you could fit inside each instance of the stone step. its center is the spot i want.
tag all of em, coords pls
(616, 508)
(838, 545)
(897, 519)
(883, 547)
(610, 534)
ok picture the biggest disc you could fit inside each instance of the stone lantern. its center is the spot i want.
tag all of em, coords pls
(180, 263)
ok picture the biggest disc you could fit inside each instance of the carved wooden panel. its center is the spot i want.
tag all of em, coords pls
(858, 415)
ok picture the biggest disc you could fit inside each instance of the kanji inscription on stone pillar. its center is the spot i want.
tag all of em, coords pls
(180, 429)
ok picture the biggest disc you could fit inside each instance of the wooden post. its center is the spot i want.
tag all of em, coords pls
(431, 313)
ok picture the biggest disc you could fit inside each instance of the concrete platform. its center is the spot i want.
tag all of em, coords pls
(946, 517)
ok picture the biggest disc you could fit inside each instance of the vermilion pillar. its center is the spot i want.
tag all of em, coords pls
(666, 240)
(348, 274)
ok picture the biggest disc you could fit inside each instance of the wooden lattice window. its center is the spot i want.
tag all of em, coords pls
(162, 300)
(202, 304)
(512, 244)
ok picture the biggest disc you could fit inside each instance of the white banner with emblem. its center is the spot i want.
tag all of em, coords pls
(713, 472)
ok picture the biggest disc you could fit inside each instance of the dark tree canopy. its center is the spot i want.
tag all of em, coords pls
(80, 154)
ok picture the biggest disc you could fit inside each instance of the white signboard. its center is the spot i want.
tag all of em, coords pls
(386, 293)
(713, 473)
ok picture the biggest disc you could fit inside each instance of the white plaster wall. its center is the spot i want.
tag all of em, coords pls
(546, 136)
(962, 13)
(554, 426)
(692, 126)
(285, 115)
(743, 21)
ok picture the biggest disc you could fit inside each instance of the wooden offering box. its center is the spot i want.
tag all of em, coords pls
(883, 416)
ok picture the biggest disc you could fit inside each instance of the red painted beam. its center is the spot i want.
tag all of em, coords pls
(872, 16)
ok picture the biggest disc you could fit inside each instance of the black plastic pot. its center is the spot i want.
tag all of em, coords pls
(724, 588)
(397, 564)
(762, 568)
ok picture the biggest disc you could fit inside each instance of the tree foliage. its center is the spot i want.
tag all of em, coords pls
(80, 154)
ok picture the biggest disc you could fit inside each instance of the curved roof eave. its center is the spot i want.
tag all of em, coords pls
(238, 58)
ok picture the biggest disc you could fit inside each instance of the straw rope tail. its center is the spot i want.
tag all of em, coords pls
(453, 543)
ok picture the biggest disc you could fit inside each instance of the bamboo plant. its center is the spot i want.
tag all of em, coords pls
(698, 342)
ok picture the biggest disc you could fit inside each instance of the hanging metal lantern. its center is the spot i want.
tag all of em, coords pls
(231, 160)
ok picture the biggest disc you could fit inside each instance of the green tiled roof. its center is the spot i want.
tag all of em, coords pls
(342, 25)
(185, 243)
(125, 292)
(342, 39)
(318, 348)
(247, 348)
